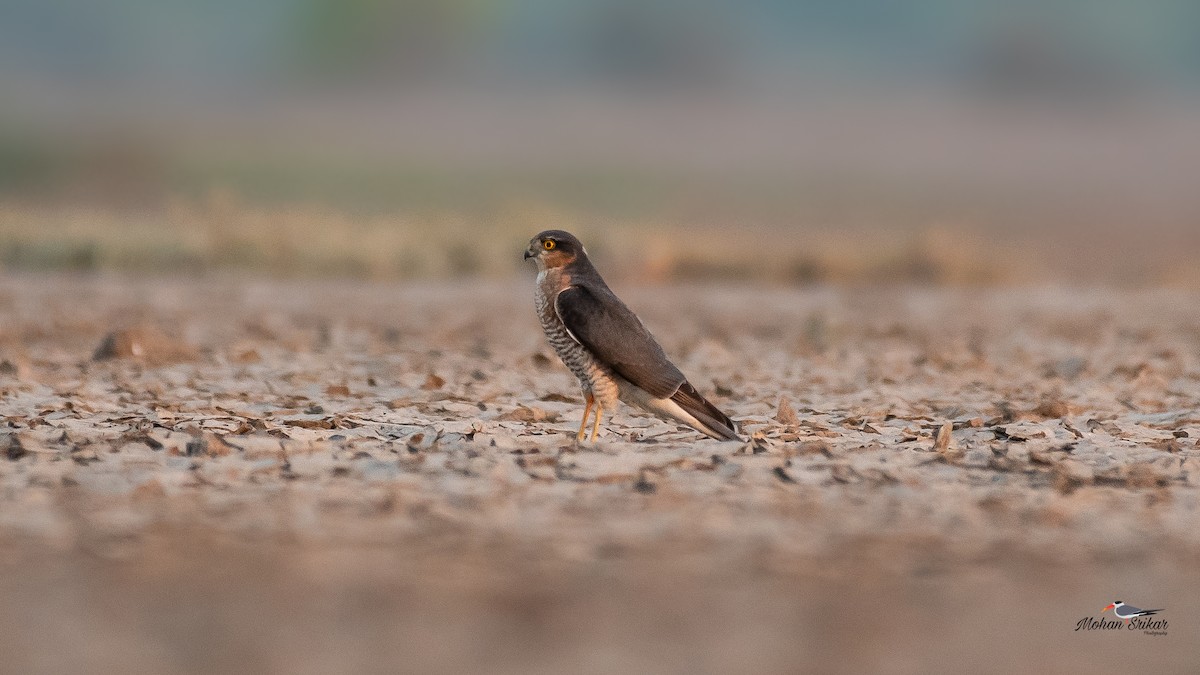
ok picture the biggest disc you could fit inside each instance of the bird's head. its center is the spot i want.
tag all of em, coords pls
(554, 248)
(1112, 605)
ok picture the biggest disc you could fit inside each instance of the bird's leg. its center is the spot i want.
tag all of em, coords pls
(596, 425)
(587, 409)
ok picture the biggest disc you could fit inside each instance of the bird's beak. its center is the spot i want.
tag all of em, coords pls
(529, 253)
(1110, 606)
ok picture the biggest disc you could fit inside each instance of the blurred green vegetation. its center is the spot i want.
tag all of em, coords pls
(864, 141)
(127, 209)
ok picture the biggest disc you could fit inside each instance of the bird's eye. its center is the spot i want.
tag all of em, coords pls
(549, 244)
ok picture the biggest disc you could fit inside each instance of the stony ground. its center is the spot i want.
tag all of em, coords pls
(319, 477)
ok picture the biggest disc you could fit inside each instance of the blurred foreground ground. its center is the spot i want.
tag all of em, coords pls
(315, 477)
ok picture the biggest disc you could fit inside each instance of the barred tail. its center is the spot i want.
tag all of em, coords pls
(714, 422)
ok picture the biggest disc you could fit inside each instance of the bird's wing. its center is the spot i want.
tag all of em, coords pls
(1131, 612)
(716, 423)
(612, 332)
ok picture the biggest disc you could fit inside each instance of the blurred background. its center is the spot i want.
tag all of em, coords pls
(785, 141)
(215, 459)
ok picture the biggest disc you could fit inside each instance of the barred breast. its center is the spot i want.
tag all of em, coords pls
(593, 376)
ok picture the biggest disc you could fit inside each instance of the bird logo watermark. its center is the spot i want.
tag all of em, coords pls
(1128, 617)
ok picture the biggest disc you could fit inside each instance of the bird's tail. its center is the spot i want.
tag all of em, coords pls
(713, 422)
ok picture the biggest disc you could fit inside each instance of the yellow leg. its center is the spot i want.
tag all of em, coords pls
(596, 425)
(587, 409)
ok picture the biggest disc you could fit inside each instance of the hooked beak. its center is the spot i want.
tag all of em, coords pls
(529, 254)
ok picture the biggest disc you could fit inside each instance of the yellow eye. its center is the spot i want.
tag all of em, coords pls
(548, 244)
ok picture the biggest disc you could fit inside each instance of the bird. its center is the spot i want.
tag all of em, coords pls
(606, 346)
(1127, 612)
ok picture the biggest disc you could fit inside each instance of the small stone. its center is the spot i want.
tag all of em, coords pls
(943, 443)
(146, 343)
(1052, 409)
(527, 414)
(785, 414)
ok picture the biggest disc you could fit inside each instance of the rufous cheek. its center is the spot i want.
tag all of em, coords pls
(557, 258)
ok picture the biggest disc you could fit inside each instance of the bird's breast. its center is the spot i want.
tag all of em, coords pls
(593, 375)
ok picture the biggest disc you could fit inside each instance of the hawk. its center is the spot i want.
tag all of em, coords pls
(606, 346)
